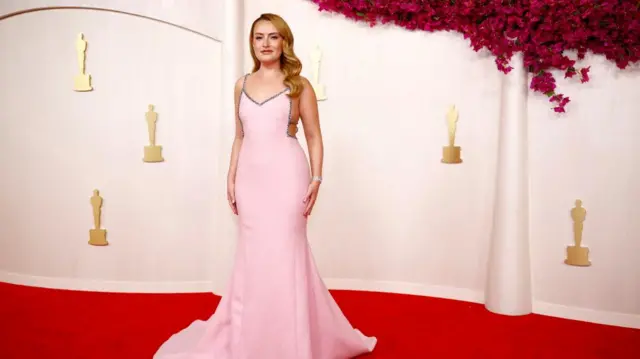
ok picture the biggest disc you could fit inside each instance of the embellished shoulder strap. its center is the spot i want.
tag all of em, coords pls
(244, 81)
(292, 124)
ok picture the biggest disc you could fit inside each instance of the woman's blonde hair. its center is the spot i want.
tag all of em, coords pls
(289, 63)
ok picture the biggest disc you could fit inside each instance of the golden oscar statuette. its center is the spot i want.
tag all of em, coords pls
(451, 153)
(82, 81)
(318, 88)
(97, 236)
(152, 153)
(577, 255)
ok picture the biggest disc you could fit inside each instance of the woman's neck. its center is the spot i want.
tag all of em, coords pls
(270, 69)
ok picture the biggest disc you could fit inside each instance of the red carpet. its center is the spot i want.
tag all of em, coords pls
(50, 324)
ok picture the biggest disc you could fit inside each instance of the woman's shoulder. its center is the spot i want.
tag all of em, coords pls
(307, 87)
(240, 82)
(305, 84)
(304, 80)
(239, 85)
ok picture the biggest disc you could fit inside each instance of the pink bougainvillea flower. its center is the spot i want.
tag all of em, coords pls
(544, 31)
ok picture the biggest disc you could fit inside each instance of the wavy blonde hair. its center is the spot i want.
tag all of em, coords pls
(289, 63)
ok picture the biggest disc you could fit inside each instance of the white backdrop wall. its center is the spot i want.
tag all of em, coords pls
(165, 222)
(593, 154)
(392, 217)
(203, 16)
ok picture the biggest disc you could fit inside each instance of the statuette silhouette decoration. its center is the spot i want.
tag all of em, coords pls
(316, 59)
(97, 236)
(451, 153)
(82, 81)
(152, 153)
(576, 254)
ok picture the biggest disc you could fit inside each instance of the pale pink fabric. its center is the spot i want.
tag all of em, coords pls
(277, 306)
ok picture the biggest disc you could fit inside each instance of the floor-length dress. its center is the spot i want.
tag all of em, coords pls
(276, 306)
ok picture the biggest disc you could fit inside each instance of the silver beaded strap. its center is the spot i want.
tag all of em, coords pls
(316, 179)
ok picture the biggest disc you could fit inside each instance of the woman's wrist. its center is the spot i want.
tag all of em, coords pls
(316, 179)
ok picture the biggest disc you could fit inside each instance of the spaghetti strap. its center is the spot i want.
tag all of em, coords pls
(244, 82)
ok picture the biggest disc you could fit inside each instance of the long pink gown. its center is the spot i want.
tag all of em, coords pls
(277, 306)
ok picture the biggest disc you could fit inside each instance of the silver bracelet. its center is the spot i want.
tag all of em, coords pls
(316, 179)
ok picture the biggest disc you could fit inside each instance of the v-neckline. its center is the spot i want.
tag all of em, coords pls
(260, 103)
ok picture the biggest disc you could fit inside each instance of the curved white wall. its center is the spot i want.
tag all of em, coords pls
(59, 144)
(204, 16)
(392, 217)
(592, 153)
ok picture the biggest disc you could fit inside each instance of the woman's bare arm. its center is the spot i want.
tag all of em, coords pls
(311, 123)
(237, 141)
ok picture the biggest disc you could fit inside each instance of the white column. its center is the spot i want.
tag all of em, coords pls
(233, 43)
(508, 287)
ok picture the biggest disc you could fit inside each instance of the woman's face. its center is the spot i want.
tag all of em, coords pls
(267, 42)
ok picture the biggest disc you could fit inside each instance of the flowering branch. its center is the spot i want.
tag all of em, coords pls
(543, 30)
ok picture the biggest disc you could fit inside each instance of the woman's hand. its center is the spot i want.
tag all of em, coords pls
(231, 196)
(311, 196)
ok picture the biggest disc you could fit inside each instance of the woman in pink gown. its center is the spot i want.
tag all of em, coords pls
(277, 306)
